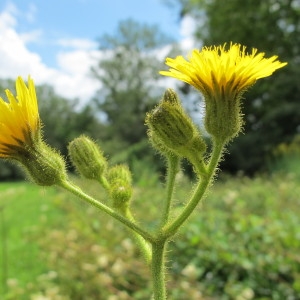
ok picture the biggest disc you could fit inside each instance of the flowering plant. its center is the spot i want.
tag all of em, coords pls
(221, 74)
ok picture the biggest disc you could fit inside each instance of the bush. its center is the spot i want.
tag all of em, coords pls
(245, 242)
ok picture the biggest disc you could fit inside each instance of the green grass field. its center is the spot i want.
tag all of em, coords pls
(242, 243)
(25, 210)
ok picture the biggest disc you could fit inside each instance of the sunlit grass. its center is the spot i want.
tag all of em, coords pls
(26, 210)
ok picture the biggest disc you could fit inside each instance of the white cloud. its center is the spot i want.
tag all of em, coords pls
(7, 18)
(14, 56)
(83, 44)
(188, 26)
(31, 13)
(31, 36)
(70, 79)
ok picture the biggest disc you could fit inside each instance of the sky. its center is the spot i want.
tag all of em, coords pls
(55, 42)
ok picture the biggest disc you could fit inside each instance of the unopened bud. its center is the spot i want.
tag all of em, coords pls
(120, 193)
(87, 157)
(119, 173)
(171, 97)
(171, 127)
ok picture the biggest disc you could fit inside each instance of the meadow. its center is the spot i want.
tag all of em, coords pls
(242, 243)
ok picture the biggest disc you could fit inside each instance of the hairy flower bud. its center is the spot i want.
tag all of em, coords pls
(120, 193)
(120, 179)
(171, 97)
(170, 125)
(119, 173)
(87, 157)
(171, 128)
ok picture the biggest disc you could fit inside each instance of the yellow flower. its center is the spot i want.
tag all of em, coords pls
(20, 137)
(19, 119)
(218, 72)
(222, 74)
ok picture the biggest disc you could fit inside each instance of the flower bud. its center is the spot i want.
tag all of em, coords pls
(158, 145)
(171, 97)
(119, 173)
(173, 129)
(87, 157)
(120, 190)
(120, 193)
(170, 125)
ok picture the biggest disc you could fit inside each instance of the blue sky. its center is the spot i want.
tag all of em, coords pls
(85, 19)
(54, 41)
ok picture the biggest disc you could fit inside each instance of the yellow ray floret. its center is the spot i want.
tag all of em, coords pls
(19, 118)
(220, 71)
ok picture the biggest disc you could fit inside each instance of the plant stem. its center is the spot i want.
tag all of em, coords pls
(199, 192)
(103, 181)
(78, 192)
(142, 243)
(173, 167)
(158, 270)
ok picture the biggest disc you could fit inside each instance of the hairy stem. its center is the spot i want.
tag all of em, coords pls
(199, 192)
(173, 167)
(142, 243)
(78, 192)
(158, 270)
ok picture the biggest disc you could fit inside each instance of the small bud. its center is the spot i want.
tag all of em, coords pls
(43, 164)
(171, 97)
(158, 145)
(120, 193)
(120, 190)
(87, 157)
(173, 129)
(119, 173)
(170, 125)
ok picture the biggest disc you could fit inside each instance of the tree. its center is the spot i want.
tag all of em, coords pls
(63, 120)
(128, 77)
(272, 108)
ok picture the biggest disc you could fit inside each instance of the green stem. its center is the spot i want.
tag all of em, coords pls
(142, 243)
(199, 192)
(173, 167)
(158, 270)
(103, 181)
(78, 192)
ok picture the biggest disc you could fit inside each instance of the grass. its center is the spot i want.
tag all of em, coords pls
(46, 230)
(25, 209)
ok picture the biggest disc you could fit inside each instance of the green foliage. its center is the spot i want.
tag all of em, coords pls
(23, 215)
(286, 158)
(271, 109)
(243, 243)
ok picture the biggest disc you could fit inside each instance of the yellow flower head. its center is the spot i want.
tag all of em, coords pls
(19, 119)
(216, 71)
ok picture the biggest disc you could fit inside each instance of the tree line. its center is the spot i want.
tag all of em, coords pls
(130, 87)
